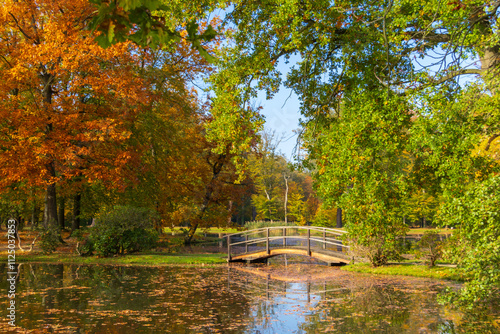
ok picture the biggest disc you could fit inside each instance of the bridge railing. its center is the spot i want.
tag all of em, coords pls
(310, 237)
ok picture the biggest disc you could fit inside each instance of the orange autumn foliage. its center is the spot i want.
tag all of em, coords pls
(66, 105)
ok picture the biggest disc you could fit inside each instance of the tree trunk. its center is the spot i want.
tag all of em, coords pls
(209, 189)
(339, 218)
(192, 231)
(34, 216)
(16, 229)
(199, 216)
(50, 212)
(230, 215)
(194, 225)
(77, 199)
(62, 205)
(286, 198)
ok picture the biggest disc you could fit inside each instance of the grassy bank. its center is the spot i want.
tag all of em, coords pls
(201, 231)
(406, 269)
(419, 231)
(133, 259)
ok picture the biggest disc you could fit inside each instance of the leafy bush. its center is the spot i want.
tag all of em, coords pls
(50, 239)
(429, 247)
(475, 245)
(123, 229)
(84, 246)
(378, 250)
(175, 244)
(377, 241)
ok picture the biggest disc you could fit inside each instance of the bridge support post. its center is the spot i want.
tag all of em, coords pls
(267, 241)
(284, 237)
(246, 243)
(228, 248)
(308, 242)
(324, 239)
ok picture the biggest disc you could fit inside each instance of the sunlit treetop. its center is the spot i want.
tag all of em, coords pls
(153, 23)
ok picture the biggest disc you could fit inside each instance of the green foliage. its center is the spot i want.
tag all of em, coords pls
(420, 205)
(267, 208)
(360, 168)
(380, 128)
(175, 244)
(297, 207)
(276, 183)
(50, 238)
(429, 247)
(267, 169)
(123, 229)
(134, 20)
(84, 246)
(476, 243)
(326, 217)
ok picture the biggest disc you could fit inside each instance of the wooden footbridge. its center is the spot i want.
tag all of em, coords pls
(258, 245)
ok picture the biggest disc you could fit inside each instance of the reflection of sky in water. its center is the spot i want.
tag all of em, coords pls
(286, 311)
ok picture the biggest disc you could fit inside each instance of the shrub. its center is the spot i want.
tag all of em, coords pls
(84, 246)
(376, 241)
(475, 244)
(175, 244)
(429, 247)
(378, 250)
(50, 239)
(123, 229)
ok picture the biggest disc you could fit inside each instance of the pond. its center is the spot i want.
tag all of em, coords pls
(121, 299)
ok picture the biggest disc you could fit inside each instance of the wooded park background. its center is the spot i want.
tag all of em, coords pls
(100, 106)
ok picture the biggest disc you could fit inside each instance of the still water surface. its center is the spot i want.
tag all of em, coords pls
(120, 299)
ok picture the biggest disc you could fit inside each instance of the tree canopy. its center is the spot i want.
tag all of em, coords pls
(399, 103)
(398, 98)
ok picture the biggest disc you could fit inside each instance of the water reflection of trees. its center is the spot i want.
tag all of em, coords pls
(362, 305)
(108, 299)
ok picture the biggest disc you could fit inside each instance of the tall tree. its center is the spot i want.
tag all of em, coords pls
(370, 65)
(66, 104)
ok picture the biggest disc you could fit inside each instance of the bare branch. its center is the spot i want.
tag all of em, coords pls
(454, 74)
(430, 36)
(492, 138)
(432, 81)
(19, 27)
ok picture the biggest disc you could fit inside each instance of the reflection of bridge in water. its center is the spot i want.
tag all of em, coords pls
(265, 285)
(258, 245)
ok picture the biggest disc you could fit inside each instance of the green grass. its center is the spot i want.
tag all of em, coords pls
(423, 230)
(406, 269)
(201, 231)
(133, 259)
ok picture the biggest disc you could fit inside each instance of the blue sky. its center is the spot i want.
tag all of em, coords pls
(282, 115)
(282, 112)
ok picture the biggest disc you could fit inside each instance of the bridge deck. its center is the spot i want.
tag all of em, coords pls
(328, 256)
(258, 245)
